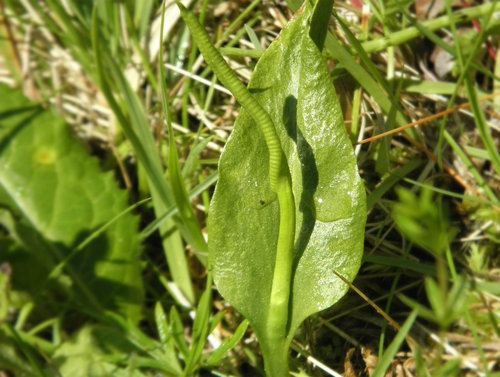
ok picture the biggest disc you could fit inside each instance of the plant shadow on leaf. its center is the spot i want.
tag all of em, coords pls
(11, 133)
(310, 180)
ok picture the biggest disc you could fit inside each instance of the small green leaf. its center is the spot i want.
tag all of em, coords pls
(200, 329)
(56, 197)
(216, 357)
(253, 38)
(5, 272)
(161, 323)
(423, 220)
(178, 331)
(292, 84)
(435, 297)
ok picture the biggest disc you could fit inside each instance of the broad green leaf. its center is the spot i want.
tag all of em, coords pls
(54, 196)
(292, 83)
(91, 352)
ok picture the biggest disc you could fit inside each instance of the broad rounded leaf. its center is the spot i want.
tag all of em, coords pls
(56, 196)
(84, 354)
(292, 83)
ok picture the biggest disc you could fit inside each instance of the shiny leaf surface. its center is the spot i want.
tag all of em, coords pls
(293, 85)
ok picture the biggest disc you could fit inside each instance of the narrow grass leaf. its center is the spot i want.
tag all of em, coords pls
(189, 219)
(227, 344)
(161, 323)
(142, 16)
(471, 168)
(452, 194)
(193, 158)
(422, 311)
(253, 38)
(200, 188)
(140, 52)
(477, 341)
(385, 361)
(388, 182)
(240, 52)
(402, 263)
(375, 89)
(436, 299)
(201, 325)
(412, 32)
(482, 125)
(178, 332)
(135, 126)
(365, 59)
(216, 319)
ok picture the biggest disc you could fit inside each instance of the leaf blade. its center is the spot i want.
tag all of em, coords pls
(291, 82)
(58, 197)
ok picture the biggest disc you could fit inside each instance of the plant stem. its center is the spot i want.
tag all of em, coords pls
(277, 320)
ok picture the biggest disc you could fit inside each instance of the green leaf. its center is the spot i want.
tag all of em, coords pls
(133, 120)
(86, 354)
(11, 349)
(388, 356)
(186, 212)
(178, 331)
(292, 83)
(423, 220)
(5, 272)
(55, 197)
(161, 324)
(201, 326)
(215, 358)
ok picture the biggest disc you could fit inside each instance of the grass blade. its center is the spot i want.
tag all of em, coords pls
(388, 356)
(180, 195)
(135, 126)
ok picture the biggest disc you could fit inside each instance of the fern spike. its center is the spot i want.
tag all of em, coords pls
(229, 79)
